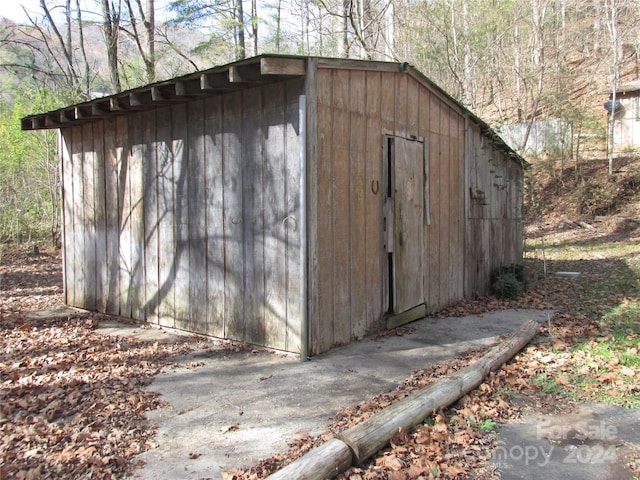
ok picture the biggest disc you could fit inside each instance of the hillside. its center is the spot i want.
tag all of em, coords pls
(555, 196)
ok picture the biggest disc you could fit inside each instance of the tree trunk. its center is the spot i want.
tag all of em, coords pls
(254, 25)
(83, 50)
(345, 28)
(150, 27)
(110, 26)
(612, 23)
(278, 25)
(241, 51)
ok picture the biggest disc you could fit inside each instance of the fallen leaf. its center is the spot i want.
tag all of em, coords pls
(454, 470)
(230, 428)
(609, 377)
(389, 462)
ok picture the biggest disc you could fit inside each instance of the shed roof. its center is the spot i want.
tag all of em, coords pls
(628, 87)
(259, 70)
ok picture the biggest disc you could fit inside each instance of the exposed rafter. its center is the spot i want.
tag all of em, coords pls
(215, 81)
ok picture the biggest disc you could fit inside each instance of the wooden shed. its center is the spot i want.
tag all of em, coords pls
(292, 202)
(626, 133)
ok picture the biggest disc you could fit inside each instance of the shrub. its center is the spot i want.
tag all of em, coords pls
(508, 281)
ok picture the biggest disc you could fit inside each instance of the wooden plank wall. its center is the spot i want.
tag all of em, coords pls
(494, 233)
(188, 215)
(348, 284)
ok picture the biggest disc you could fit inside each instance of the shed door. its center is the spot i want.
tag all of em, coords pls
(406, 238)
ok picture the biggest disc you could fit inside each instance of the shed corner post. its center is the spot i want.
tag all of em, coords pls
(308, 153)
(63, 234)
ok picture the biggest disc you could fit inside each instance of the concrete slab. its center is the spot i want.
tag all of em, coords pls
(111, 325)
(230, 409)
(589, 444)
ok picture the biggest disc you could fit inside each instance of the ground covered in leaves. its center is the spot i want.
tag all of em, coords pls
(72, 402)
(586, 352)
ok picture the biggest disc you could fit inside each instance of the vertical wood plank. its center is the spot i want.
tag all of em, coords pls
(138, 153)
(453, 207)
(113, 212)
(181, 186)
(341, 185)
(413, 106)
(101, 263)
(293, 215)
(400, 99)
(357, 213)
(470, 228)
(233, 217)
(322, 331)
(68, 213)
(197, 228)
(461, 197)
(375, 257)
(387, 102)
(424, 117)
(312, 300)
(89, 219)
(215, 214)
(254, 226)
(150, 220)
(445, 205)
(167, 249)
(484, 172)
(124, 195)
(274, 215)
(435, 200)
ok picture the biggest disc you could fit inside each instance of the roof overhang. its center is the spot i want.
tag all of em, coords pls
(629, 87)
(255, 71)
(218, 80)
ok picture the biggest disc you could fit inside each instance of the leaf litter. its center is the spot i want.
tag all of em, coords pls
(457, 442)
(72, 402)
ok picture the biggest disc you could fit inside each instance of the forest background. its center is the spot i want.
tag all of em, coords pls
(508, 61)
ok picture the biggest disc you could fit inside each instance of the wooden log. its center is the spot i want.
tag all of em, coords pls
(586, 225)
(326, 461)
(366, 438)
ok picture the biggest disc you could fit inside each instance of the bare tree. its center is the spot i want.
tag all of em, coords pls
(538, 10)
(225, 18)
(111, 26)
(145, 43)
(59, 49)
(611, 7)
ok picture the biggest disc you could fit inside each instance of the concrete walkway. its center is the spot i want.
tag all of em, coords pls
(593, 443)
(229, 409)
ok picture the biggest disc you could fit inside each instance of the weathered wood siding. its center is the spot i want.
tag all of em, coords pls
(444, 235)
(349, 270)
(626, 134)
(349, 274)
(494, 220)
(187, 215)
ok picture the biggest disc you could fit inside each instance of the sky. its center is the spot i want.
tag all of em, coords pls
(13, 9)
